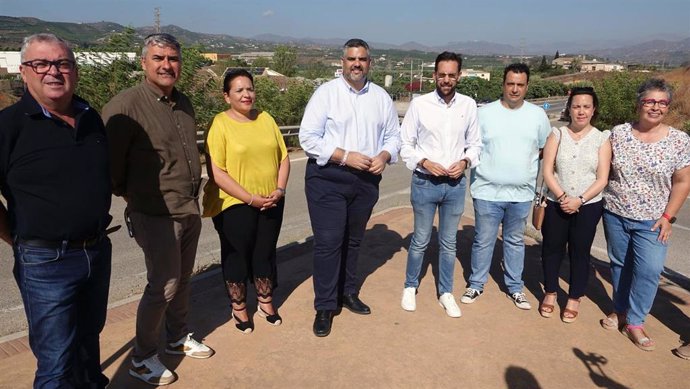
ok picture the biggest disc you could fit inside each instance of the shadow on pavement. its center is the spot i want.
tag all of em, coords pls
(210, 305)
(520, 378)
(595, 364)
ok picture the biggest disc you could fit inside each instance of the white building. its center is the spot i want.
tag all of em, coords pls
(594, 66)
(475, 73)
(10, 60)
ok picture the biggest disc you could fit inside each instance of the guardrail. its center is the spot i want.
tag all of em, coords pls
(287, 132)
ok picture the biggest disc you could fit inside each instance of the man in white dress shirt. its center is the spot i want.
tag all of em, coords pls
(350, 132)
(440, 140)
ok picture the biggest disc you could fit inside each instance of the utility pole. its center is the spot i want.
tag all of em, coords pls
(157, 19)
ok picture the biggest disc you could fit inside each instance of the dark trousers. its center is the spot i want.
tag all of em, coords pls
(65, 295)
(577, 232)
(248, 239)
(169, 244)
(340, 201)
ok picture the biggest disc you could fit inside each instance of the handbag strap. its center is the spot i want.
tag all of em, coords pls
(537, 195)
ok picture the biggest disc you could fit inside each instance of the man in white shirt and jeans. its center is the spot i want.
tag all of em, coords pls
(350, 132)
(440, 140)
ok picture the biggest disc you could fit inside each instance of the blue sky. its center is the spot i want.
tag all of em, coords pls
(432, 22)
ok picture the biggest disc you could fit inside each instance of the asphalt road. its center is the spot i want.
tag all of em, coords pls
(129, 273)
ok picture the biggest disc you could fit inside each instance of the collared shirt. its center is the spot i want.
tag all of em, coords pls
(154, 156)
(364, 121)
(511, 141)
(443, 133)
(55, 177)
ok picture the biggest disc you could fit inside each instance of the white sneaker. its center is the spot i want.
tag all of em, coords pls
(189, 347)
(470, 295)
(409, 302)
(152, 371)
(447, 301)
(520, 300)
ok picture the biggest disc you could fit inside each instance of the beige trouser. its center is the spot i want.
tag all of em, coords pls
(169, 245)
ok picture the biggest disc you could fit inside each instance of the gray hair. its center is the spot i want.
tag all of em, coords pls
(654, 84)
(45, 38)
(355, 42)
(160, 40)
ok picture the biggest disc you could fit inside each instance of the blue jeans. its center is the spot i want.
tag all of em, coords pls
(637, 260)
(65, 295)
(448, 196)
(488, 215)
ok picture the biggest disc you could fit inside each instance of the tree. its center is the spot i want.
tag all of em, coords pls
(543, 66)
(285, 60)
(617, 95)
(122, 41)
(557, 55)
(261, 62)
(576, 64)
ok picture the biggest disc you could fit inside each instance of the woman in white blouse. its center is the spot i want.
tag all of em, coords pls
(577, 158)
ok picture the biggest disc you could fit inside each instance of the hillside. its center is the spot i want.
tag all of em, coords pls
(666, 53)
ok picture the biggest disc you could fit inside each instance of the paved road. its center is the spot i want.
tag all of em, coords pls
(128, 275)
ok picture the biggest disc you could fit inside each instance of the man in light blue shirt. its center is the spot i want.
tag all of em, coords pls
(513, 133)
(349, 131)
(440, 139)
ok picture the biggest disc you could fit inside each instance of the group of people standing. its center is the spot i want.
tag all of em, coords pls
(60, 162)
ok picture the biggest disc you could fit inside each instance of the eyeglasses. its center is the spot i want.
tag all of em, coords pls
(42, 66)
(442, 76)
(651, 102)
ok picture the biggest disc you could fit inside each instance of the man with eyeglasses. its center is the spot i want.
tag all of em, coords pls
(440, 140)
(350, 132)
(156, 168)
(54, 176)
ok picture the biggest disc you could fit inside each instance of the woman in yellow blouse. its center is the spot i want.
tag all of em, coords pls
(249, 169)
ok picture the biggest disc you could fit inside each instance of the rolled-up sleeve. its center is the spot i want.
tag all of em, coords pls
(409, 133)
(391, 135)
(313, 128)
(473, 139)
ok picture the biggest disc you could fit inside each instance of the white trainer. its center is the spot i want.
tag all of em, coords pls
(189, 347)
(409, 302)
(447, 302)
(152, 371)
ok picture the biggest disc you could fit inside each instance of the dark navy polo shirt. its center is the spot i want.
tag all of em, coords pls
(55, 178)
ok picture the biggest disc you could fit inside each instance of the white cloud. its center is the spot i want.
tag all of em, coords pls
(268, 13)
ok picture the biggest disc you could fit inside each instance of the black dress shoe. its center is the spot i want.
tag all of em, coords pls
(322, 323)
(354, 304)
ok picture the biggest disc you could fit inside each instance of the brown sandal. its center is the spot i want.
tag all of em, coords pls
(570, 315)
(546, 310)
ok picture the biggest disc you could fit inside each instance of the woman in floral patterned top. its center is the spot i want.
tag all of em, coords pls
(650, 180)
(577, 158)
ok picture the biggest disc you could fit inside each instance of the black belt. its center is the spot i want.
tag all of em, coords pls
(57, 244)
(437, 178)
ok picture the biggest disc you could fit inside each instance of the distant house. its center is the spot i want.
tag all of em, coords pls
(215, 57)
(471, 73)
(9, 62)
(595, 66)
(279, 79)
(254, 55)
(563, 62)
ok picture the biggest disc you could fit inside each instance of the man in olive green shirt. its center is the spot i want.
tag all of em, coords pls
(156, 168)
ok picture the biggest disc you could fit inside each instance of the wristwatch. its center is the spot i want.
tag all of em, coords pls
(671, 219)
